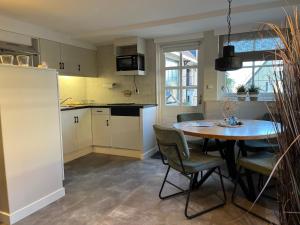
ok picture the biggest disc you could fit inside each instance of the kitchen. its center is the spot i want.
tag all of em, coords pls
(85, 99)
(91, 120)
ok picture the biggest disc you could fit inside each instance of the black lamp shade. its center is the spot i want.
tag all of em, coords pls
(229, 61)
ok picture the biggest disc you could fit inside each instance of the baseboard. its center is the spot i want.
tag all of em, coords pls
(77, 154)
(11, 218)
(149, 153)
(118, 151)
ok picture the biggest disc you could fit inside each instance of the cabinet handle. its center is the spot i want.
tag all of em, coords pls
(107, 124)
(75, 121)
(63, 65)
(79, 67)
(60, 66)
(99, 111)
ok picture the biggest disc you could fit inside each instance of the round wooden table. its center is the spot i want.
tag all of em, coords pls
(250, 130)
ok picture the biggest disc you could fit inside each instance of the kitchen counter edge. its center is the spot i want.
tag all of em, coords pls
(106, 106)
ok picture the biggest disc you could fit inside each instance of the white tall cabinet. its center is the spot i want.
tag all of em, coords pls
(31, 167)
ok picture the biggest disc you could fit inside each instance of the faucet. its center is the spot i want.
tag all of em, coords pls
(63, 101)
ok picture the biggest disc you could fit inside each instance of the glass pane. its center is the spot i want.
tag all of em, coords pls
(172, 97)
(190, 58)
(269, 63)
(172, 78)
(264, 78)
(264, 44)
(172, 59)
(248, 63)
(243, 45)
(235, 78)
(189, 97)
(190, 77)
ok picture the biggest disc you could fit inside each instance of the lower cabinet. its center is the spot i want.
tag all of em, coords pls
(101, 127)
(126, 132)
(76, 130)
(102, 131)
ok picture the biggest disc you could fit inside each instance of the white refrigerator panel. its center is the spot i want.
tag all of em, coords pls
(31, 139)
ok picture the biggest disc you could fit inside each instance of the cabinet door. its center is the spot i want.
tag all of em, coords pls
(70, 60)
(126, 132)
(84, 128)
(101, 130)
(88, 63)
(50, 53)
(68, 131)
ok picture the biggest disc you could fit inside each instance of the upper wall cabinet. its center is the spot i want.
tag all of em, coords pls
(69, 60)
(129, 46)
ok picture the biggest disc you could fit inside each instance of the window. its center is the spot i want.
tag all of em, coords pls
(259, 63)
(259, 73)
(181, 78)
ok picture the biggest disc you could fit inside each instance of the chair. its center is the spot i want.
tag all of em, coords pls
(262, 145)
(206, 144)
(176, 155)
(261, 163)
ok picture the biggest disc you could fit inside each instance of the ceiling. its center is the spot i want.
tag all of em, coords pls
(101, 21)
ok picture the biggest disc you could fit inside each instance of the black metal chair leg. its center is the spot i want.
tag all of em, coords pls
(166, 181)
(241, 207)
(206, 210)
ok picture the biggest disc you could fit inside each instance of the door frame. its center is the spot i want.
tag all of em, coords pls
(160, 75)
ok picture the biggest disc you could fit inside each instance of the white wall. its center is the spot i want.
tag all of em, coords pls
(20, 31)
(244, 109)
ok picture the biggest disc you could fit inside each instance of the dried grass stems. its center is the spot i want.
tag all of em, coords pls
(287, 111)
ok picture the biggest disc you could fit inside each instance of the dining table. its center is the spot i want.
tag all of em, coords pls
(219, 130)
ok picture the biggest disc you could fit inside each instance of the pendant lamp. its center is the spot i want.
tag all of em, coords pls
(228, 61)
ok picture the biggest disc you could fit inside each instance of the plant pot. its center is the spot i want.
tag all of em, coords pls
(241, 96)
(253, 96)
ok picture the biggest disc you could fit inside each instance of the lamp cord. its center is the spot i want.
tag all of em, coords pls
(229, 21)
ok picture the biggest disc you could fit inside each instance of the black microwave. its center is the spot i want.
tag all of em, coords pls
(130, 62)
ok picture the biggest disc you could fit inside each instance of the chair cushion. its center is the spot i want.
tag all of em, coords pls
(197, 162)
(258, 145)
(262, 162)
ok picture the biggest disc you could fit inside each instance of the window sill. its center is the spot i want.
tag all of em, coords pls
(262, 98)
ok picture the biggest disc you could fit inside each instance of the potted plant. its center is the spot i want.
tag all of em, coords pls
(241, 92)
(253, 92)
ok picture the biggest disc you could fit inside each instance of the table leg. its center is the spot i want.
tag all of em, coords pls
(251, 188)
(231, 165)
(230, 158)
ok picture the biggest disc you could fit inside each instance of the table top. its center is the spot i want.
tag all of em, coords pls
(250, 130)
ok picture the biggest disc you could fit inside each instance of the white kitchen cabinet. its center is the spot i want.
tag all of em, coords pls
(68, 131)
(50, 53)
(68, 59)
(126, 132)
(88, 62)
(101, 127)
(84, 128)
(76, 130)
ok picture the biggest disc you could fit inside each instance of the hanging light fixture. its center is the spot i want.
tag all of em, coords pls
(228, 61)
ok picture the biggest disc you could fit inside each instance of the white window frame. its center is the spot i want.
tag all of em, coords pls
(180, 68)
(262, 96)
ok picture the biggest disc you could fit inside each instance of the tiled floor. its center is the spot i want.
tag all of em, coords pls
(111, 190)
